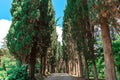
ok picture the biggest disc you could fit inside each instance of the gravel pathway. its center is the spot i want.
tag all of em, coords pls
(60, 76)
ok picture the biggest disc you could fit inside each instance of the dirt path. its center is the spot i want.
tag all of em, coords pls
(60, 76)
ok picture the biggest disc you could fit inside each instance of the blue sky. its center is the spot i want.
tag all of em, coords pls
(5, 9)
(5, 17)
(59, 6)
(5, 5)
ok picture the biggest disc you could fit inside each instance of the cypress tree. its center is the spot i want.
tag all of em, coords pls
(53, 51)
(47, 25)
(22, 36)
(32, 25)
(77, 16)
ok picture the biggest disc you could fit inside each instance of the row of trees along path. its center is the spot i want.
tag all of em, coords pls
(32, 36)
(80, 18)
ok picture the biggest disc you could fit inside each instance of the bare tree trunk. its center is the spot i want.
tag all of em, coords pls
(44, 65)
(52, 68)
(75, 71)
(87, 70)
(107, 46)
(67, 66)
(91, 49)
(33, 61)
(40, 72)
(81, 66)
(25, 59)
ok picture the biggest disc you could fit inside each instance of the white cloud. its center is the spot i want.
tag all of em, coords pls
(59, 33)
(4, 27)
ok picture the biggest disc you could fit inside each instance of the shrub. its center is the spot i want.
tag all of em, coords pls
(18, 73)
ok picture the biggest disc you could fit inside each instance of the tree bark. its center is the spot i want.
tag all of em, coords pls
(80, 66)
(25, 59)
(52, 68)
(44, 65)
(67, 66)
(91, 49)
(41, 66)
(33, 61)
(107, 47)
(87, 70)
(75, 71)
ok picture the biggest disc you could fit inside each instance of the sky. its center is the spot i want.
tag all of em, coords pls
(5, 9)
(5, 17)
(59, 6)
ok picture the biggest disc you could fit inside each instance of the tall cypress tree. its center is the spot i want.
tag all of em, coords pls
(106, 18)
(53, 51)
(77, 16)
(47, 25)
(107, 11)
(69, 22)
(31, 29)
(69, 51)
(22, 36)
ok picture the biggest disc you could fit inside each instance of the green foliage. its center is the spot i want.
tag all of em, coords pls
(19, 38)
(116, 50)
(9, 70)
(53, 47)
(33, 25)
(100, 60)
(18, 73)
(7, 62)
(100, 57)
(3, 75)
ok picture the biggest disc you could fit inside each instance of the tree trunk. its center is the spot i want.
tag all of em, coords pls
(67, 66)
(25, 59)
(80, 66)
(33, 61)
(44, 65)
(75, 71)
(95, 70)
(91, 49)
(52, 68)
(107, 46)
(87, 70)
(41, 66)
